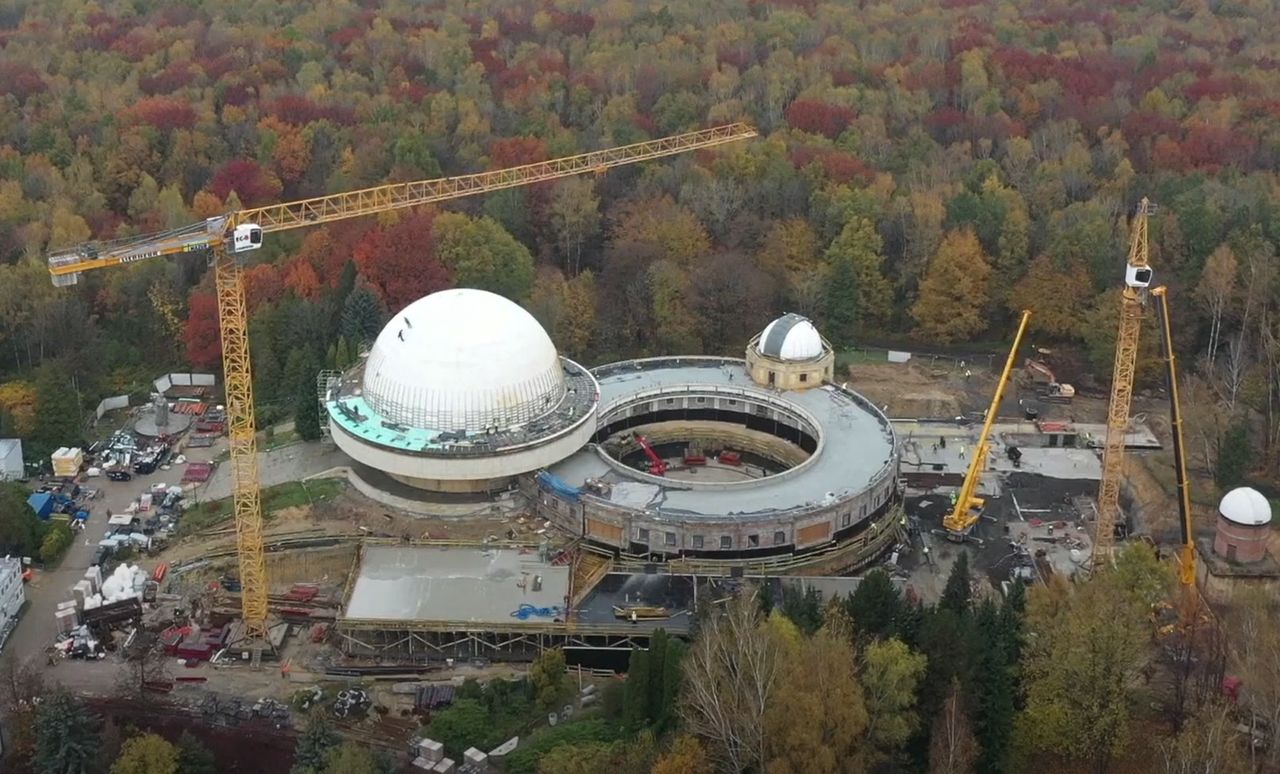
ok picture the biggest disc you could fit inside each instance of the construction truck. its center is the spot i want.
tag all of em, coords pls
(1046, 384)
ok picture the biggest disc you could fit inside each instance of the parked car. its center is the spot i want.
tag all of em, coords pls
(119, 475)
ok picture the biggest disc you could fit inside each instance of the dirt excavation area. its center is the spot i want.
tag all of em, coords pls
(342, 512)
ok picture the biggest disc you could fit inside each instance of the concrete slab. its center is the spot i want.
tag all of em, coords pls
(424, 583)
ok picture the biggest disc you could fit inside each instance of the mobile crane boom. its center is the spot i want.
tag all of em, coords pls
(1187, 556)
(657, 465)
(1133, 301)
(968, 507)
(227, 236)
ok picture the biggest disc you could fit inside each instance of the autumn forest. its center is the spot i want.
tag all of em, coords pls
(924, 171)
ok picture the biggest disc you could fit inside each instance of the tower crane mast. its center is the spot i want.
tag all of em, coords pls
(227, 237)
(1132, 305)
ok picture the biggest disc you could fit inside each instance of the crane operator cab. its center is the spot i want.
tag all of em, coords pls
(1134, 276)
(247, 236)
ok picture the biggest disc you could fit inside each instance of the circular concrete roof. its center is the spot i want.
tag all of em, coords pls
(463, 359)
(791, 337)
(1246, 506)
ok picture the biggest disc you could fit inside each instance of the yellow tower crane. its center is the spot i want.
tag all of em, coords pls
(1137, 278)
(227, 237)
(968, 506)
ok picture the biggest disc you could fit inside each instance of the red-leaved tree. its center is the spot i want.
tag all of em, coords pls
(201, 336)
(253, 184)
(399, 261)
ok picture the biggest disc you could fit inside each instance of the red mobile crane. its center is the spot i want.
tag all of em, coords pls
(657, 465)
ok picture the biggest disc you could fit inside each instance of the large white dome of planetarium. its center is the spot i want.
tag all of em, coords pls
(461, 391)
(463, 360)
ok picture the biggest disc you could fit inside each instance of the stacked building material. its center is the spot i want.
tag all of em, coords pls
(433, 697)
(67, 461)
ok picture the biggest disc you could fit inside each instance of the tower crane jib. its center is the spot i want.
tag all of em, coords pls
(229, 235)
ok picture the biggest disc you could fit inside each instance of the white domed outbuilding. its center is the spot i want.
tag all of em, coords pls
(1243, 528)
(461, 391)
(790, 354)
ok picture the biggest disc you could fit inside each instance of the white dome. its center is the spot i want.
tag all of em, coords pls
(463, 360)
(791, 337)
(1245, 505)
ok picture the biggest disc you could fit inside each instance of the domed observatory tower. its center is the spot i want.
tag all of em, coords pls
(462, 391)
(1244, 526)
(790, 354)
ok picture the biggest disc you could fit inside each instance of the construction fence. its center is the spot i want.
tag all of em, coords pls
(168, 381)
(111, 404)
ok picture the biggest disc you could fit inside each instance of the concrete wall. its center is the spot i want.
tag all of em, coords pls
(1222, 589)
(623, 528)
(714, 436)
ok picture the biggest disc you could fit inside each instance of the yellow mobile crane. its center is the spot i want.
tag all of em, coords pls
(1137, 278)
(1187, 555)
(968, 506)
(228, 237)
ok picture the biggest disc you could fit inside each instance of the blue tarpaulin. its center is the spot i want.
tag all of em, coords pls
(41, 503)
(558, 486)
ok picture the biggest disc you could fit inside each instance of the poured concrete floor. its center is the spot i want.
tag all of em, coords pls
(423, 583)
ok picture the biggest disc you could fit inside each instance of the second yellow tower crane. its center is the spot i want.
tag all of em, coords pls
(1137, 278)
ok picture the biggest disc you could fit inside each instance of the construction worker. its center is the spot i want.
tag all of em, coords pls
(961, 452)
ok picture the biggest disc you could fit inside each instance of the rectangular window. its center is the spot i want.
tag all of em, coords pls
(804, 377)
(864, 510)
(726, 542)
(844, 520)
(702, 399)
(697, 541)
(753, 541)
(733, 402)
(642, 535)
(670, 538)
(779, 538)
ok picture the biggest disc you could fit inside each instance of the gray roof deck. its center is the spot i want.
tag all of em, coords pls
(426, 583)
(857, 443)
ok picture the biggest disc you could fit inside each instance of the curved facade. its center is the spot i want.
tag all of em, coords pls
(848, 477)
(1243, 528)
(461, 392)
(790, 354)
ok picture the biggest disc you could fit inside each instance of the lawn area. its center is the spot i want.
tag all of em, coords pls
(274, 498)
(850, 357)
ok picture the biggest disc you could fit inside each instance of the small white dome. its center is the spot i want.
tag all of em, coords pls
(791, 337)
(463, 360)
(1245, 505)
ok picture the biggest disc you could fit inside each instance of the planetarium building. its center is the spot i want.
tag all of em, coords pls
(463, 391)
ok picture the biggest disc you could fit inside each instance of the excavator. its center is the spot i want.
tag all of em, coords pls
(967, 512)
